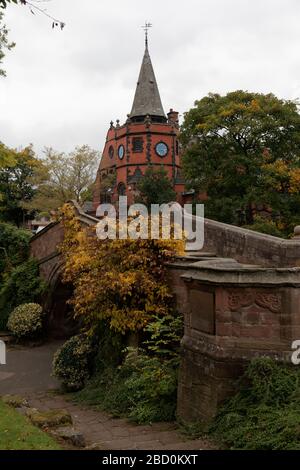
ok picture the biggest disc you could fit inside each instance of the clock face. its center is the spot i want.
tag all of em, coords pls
(121, 151)
(161, 149)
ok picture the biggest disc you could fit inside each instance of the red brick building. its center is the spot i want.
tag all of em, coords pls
(147, 138)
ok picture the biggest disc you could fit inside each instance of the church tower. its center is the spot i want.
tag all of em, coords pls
(148, 138)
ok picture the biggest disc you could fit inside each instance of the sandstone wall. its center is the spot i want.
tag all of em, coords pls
(247, 246)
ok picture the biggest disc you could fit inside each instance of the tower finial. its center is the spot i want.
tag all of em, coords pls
(146, 28)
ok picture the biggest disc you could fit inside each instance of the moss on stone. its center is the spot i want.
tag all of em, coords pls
(49, 419)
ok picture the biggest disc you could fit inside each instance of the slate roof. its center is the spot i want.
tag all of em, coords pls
(147, 99)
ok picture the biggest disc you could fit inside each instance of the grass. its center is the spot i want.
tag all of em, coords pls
(17, 433)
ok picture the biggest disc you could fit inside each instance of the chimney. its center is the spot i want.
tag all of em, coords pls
(173, 117)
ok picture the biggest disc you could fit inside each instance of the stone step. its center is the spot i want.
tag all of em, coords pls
(202, 254)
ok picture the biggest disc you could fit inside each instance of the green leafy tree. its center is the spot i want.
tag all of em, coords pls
(62, 177)
(19, 275)
(243, 150)
(4, 43)
(14, 247)
(17, 187)
(155, 187)
(7, 156)
(21, 285)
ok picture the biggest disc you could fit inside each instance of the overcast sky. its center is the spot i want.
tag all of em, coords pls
(63, 87)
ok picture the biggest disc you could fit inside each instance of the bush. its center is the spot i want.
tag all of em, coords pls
(151, 387)
(265, 226)
(21, 285)
(143, 388)
(72, 363)
(15, 242)
(26, 321)
(265, 413)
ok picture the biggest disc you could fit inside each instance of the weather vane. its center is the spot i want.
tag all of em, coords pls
(146, 28)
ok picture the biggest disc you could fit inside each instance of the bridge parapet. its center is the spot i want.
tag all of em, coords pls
(232, 313)
(248, 246)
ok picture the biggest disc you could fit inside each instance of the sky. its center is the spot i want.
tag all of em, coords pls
(64, 87)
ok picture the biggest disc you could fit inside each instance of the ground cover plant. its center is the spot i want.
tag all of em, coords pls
(264, 414)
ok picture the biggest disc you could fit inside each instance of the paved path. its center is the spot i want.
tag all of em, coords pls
(28, 369)
(28, 373)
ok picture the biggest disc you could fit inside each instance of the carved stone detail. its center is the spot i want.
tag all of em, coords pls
(271, 302)
(238, 300)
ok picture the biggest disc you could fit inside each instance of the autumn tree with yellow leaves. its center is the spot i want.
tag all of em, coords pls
(121, 282)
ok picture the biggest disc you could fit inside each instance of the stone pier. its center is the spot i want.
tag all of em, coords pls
(232, 313)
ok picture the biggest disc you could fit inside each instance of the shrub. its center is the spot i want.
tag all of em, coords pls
(133, 276)
(265, 226)
(72, 362)
(143, 388)
(21, 285)
(165, 333)
(26, 321)
(14, 243)
(137, 383)
(151, 387)
(265, 412)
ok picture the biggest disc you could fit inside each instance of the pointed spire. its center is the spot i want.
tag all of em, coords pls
(147, 99)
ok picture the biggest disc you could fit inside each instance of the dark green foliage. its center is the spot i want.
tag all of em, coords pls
(265, 413)
(240, 149)
(4, 3)
(143, 389)
(21, 285)
(155, 187)
(265, 226)
(110, 346)
(165, 333)
(72, 363)
(143, 386)
(14, 246)
(4, 42)
(17, 187)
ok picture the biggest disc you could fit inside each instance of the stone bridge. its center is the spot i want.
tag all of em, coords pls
(240, 297)
(44, 247)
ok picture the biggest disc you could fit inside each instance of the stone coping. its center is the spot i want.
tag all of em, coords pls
(229, 271)
(227, 347)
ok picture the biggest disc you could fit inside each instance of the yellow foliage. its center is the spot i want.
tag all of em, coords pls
(295, 180)
(120, 281)
(279, 173)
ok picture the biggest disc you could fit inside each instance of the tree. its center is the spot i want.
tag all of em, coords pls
(155, 187)
(7, 156)
(4, 43)
(133, 285)
(16, 186)
(243, 149)
(64, 177)
(33, 7)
